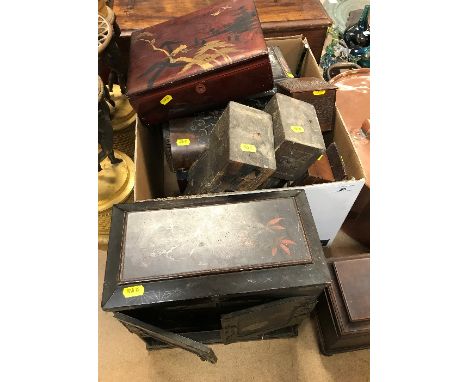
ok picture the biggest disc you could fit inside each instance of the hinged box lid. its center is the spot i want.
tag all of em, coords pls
(353, 278)
(161, 248)
(223, 34)
(182, 242)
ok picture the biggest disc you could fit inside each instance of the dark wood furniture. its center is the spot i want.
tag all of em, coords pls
(182, 272)
(343, 311)
(278, 18)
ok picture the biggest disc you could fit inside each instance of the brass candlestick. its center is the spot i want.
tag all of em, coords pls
(116, 171)
(123, 119)
(115, 185)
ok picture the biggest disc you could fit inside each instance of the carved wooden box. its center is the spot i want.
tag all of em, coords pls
(221, 268)
(315, 91)
(241, 154)
(298, 138)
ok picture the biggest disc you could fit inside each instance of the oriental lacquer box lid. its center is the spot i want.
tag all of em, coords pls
(218, 245)
(223, 34)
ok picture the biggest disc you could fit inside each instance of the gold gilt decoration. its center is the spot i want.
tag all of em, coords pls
(220, 10)
(209, 54)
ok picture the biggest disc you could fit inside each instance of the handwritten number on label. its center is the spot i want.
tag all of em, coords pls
(183, 142)
(133, 291)
(166, 99)
(248, 147)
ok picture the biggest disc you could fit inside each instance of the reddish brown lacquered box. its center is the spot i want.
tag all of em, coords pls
(198, 61)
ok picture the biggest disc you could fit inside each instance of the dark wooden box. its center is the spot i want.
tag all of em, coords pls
(185, 139)
(197, 62)
(221, 268)
(315, 91)
(343, 311)
(298, 138)
(241, 153)
(277, 17)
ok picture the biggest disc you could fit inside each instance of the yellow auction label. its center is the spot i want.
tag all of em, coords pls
(290, 75)
(183, 142)
(248, 147)
(297, 129)
(166, 99)
(320, 157)
(133, 291)
(318, 92)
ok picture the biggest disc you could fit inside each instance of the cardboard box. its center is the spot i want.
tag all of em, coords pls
(329, 202)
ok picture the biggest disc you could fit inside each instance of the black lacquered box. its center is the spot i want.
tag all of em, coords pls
(214, 269)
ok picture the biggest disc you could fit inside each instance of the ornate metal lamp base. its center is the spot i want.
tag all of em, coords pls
(115, 185)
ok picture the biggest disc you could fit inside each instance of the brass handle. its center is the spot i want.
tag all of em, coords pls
(200, 88)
